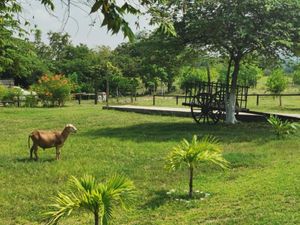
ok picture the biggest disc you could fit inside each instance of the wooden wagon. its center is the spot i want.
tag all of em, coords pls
(207, 101)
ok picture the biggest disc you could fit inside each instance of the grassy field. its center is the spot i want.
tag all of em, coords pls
(262, 186)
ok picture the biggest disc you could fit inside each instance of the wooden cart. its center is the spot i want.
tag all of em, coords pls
(207, 101)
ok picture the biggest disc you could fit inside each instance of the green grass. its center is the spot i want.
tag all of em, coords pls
(262, 186)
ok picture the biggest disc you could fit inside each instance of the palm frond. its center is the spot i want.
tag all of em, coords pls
(122, 189)
(63, 206)
(206, 149)
(99, 198)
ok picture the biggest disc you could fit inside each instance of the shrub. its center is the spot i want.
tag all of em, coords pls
(276, 82)
(53, 90)
(11, 94)
(282, 128)
(3, 91)
(31, 100)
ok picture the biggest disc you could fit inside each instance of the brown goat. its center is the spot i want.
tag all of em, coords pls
(49, 139)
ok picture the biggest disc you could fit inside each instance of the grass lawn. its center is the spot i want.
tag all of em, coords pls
(262, 186)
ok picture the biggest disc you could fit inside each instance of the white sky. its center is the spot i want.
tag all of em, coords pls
(78, 25)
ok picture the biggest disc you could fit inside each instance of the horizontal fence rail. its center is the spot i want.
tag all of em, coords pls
(177, 97)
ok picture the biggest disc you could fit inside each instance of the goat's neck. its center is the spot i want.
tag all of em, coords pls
(65, 133)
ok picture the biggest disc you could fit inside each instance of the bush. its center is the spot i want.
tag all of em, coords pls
(53, 90)
(11, 94)
(31, 100)
(276, 82)
(3, 91)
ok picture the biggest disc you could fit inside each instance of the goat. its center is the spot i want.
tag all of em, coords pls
(49, 139)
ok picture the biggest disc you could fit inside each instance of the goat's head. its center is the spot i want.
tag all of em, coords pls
(71, 128)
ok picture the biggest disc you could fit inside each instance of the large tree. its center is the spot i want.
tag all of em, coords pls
(237, 28)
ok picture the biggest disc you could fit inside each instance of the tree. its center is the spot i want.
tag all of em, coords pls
(99, 198)
(237, 28)
(192, 154)
(276, 82)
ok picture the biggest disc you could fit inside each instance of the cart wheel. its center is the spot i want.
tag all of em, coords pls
(205, 108)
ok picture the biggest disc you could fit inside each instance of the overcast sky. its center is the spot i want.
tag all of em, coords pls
(78, 26)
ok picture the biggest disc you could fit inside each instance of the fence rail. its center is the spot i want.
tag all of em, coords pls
(177, 97)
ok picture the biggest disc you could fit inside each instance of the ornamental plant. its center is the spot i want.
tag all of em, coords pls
(192, 154)
(282, 128)
(100, 199)
(53, 90)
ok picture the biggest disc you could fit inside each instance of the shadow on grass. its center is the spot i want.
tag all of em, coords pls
(159, 132)
(162, 197)
(41, 160)
(159, 199)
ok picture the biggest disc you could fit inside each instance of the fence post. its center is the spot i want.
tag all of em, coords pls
(176, 99)
(257, 100)
(18, 99)
(79, 98)
(153, 99)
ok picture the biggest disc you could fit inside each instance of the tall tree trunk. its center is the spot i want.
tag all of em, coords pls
(231, 102)
(107, 89)
(96, 218)
(191, 181)
(227, 78)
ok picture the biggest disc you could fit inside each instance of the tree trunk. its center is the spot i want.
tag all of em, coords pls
(231, 102)
(191, 182)
(96, 96)
(227, 78)
(96, 217)
(107, 90)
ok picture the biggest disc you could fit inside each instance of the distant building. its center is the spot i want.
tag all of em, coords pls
(8, 82)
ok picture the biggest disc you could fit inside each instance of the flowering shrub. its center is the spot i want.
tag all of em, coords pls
(53, 90)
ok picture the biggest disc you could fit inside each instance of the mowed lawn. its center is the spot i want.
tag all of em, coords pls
(262, 186)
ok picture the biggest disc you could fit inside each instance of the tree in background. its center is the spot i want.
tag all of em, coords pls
(243, 28)
(248, 75)
(276, 82)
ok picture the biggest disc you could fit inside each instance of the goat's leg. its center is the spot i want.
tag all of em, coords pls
(57, 153)
(35, 149)
(31, 151)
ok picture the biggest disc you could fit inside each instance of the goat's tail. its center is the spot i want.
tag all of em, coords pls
(29, 136)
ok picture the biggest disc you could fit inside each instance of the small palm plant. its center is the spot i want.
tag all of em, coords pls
(191, 154)
(282, 128)
(98, 198)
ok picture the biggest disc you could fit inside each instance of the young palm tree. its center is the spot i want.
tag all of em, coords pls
(191, 154)
(98, 198)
